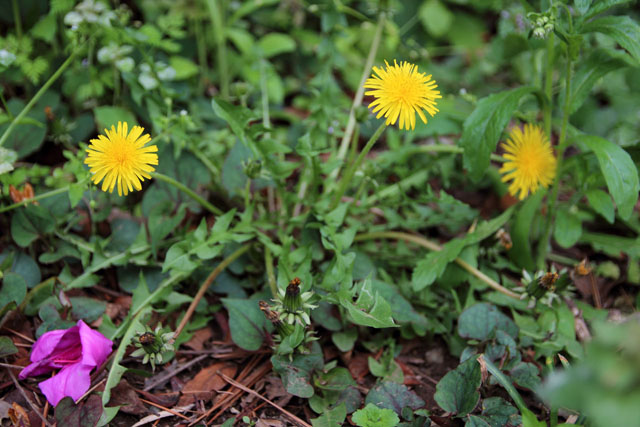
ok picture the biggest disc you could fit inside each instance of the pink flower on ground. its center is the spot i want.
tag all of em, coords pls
(77, 351)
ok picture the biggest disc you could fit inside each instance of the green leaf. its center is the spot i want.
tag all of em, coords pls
(14, 289)
(7, 159)
(624, 30)
(185, 68)
(337, 379)
(582, 5)
(483, 128)
(601, 202)
(107, 116)
(521, 231)
(345, 340)
(87, 309)
(619, 172)
(457, 391)
(45, 28)
(567, 228)
(369, 309)
(274, 44)
(601, 5)
(435, 17)
(599, 63)
(7, 348)
(247, 323)
(28, 223)
(331, 417)
(236, 116)
(372, 416)
(391, 395)
(434, 264)
(296, 373)
(481, 321)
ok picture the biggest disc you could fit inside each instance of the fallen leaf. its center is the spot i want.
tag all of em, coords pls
(206, 383)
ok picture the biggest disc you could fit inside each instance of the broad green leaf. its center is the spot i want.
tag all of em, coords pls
(345, 340)
(85, 413)
(30, 222)
(14, 289)
(29, 134)
(107, 116)
(7, 348)
(296, 372)
(87, 309)
(236, 116)
(7, 159)
(457, 391)
(567, 228)
(483, 128)
(372, 416)
(624, 30)
(274, 44)
(601, 202)
(481, 321)
(435, 17)
(391, 395)
(619, 172)
(599, 63)
(331, 417)
(185, 68)
(337, 379)
(370, 309)
(582, 5)
(600, 6)
(434, 264)
(247, 323)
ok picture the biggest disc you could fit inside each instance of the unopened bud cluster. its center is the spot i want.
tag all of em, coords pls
(544, 286)
(152, 344)
(542, 23)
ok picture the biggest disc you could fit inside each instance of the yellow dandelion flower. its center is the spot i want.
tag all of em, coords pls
(400, 91)
(120, 158)
(529, 161)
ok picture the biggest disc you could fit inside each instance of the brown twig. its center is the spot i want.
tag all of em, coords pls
(31, 404)
(205, 285)
(281, 409)
(171, 411)
(24, 337)
(167, 377)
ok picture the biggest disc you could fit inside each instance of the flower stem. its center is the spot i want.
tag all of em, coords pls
(548, 85)
(216, 12)
(271, 277)
(42, 196)
(419, 240)
(36, 97)
(186, 190)
(348, 176)
(205, 285)
(357, 100)
(17, 19)
(543, 245)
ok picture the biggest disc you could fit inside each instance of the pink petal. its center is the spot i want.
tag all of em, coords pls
(37, 368)
(95, 346)
(72, 380)
(47, 342)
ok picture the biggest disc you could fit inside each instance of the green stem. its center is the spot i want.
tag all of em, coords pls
(543, 245)
(36, 97)
(247, 194)
(421, 241)
(548, 85)
(357, 100)
(202, 52)
(216, 11)
(41, 196)
(205, 285)
(186, 190)
(17, 19)
(447, 148)
(271, 277)
(348, 176)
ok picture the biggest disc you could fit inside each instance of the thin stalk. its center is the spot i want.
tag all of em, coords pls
(36, 97)
(202, 52)
(17, 19)
(205, 285)
(548, 85)
(41, 196)
(271, 277)
(543, 245)
(266, 121)
(348, 176)
(186, 190)
(247, 194)
(421, 241)
(357, 100)
(216, 12)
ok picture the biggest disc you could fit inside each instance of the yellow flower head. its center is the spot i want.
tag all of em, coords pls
(529, 161)
(401, 91)
(121, 158)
